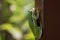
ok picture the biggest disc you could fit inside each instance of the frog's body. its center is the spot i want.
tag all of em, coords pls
(18, 20)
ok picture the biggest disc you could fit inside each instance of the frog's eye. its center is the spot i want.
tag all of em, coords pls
(35, 13)
(12, 7)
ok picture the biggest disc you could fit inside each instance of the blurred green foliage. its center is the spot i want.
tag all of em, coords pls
(16, 18)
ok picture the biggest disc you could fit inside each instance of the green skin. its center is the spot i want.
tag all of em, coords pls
(14, 20)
